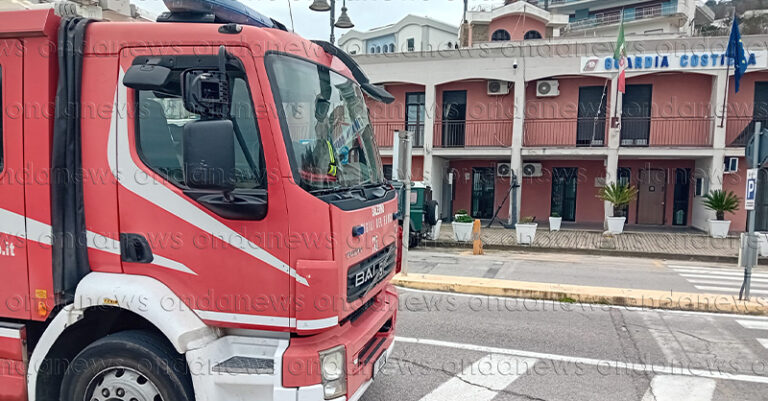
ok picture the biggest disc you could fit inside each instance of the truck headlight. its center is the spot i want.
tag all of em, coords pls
(333, 372)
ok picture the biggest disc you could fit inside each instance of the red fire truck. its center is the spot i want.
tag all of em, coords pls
(190, 209)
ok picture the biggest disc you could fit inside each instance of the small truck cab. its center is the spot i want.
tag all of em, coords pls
(192, 209)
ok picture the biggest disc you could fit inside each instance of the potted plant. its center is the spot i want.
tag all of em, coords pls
(555, 221)
(460, 212)
(462, 227)
(721, 202)
(526, 230)
(619, 195)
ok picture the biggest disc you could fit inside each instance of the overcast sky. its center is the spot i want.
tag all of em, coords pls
(365, 14)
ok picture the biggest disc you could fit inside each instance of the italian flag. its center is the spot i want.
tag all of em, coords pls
(621, 55)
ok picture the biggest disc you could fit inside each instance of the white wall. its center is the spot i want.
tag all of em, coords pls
(699, 214)
(354, 45)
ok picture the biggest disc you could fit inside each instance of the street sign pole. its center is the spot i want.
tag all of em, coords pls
(749, 249)
(402, 160)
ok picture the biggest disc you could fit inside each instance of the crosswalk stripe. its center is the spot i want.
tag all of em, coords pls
(753, 325)
(734, 289)
(718, 272)
(763, 342)
(680, 388)
(716, 282)
(734, 278)
(483, 380)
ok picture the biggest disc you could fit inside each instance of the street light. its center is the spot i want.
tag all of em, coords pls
(343, 22)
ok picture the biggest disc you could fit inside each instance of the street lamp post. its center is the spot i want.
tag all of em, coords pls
(343, 22)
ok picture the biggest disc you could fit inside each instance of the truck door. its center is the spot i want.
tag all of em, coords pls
(13, 231)
(231, 268)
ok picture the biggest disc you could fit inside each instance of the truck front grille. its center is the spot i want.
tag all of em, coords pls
(364, 276)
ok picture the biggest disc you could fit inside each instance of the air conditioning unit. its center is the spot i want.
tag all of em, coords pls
(532, 170)
(731, 165)
(496, 87)
(503, 169)
(548, 88)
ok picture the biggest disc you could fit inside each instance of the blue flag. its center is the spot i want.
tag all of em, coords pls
(735, 52)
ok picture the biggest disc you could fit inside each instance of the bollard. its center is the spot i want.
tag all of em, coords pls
(477, 243)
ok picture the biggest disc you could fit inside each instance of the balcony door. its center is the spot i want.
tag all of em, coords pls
(682, 196)
(483, 191)
(590, 130)
(636, 115)
(564, 181)
(454, 117)
(414, 116)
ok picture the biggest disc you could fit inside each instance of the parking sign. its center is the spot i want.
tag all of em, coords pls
(749, 200)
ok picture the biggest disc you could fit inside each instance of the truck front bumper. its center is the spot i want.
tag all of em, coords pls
(254, 365)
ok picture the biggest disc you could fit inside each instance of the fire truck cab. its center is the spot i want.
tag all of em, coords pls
(191, 209)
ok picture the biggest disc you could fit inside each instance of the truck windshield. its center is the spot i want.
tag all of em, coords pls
(329, 137)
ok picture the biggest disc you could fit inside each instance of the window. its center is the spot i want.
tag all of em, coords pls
(391, 47)
(411, 44)
(388, 171)
(378, 49)
(450, 45)
(161, 120)
(500, 35)
(353, 52)
(386, 49)
(325, 125)
(532, 35)
(414, 116)
(373, 49)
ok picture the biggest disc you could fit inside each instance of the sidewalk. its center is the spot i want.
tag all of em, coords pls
(662, 245)
(610, 280)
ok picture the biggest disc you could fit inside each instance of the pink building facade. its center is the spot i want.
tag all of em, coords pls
(536, 128)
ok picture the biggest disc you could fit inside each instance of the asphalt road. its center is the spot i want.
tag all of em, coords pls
(457, 347)
(601, 271)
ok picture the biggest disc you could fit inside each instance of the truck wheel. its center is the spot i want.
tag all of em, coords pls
(430, 212)
(128, 366)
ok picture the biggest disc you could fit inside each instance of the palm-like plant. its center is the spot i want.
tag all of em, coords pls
(619, 195)
(721, 201)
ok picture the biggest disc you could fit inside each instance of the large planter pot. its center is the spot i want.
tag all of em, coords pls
(462, 232)
(555, 223)
(616, 224)
(526, 233)
(719, 228)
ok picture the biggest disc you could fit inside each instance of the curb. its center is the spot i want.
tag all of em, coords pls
(651, 299)
(580, 251)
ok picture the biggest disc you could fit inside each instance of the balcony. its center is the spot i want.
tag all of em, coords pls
(738, 130)
(579, 132)
(473, 134)
(630, 14)
(384, 132)
(663, 131)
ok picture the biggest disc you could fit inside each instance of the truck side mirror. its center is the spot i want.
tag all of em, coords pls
(147, 77)
(209, 155)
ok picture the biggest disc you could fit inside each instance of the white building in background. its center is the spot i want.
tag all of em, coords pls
(412, 33)
(111, 10)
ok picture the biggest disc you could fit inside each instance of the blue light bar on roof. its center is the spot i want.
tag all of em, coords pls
(225, 11)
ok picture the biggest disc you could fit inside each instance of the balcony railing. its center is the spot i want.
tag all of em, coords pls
(738, 130)
(630, 14)
(384, 132)
(473, 134)
(584, 132)
(663, 131)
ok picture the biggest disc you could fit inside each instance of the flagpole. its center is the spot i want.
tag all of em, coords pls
(727, 85)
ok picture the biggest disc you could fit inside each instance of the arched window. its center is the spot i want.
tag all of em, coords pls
(500, 35)
(373, 50)
(450, 45)
(386, 49)
(391, 47)
(532, 35)
(378, 49)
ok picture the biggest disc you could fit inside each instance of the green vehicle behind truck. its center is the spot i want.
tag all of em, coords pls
(424, 211)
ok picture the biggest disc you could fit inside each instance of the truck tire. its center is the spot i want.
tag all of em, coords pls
(126, 366)
(430, 212)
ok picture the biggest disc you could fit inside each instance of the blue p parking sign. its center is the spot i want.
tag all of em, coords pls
(751, 192)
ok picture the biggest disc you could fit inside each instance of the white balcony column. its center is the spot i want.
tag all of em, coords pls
(429, 127)
(718, 99)
(611, 176)
(516, 151)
